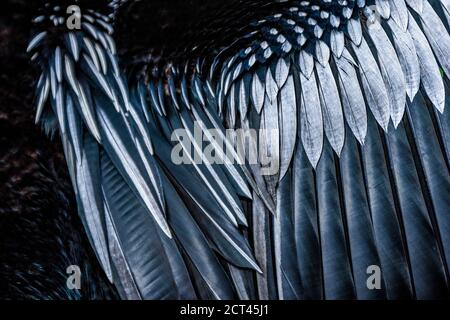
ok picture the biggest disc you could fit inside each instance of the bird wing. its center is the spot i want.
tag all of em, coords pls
(353, 190)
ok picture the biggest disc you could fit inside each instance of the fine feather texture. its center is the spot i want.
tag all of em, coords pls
(41, 232)
(358, 184)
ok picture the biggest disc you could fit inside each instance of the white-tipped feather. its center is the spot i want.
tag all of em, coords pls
(354, 30)
(399, 13)
(337, 42)
(306, 63)
(372, 81)
(44, 91)
(311, 122)
(383, 8)
(288, 125)
(437, 36)
(391, 71)
(333, 117)
(90, 49)
(58, 64)
(88, 111)
(322, 52)
(351, 95)
(407, 55)
(129, 164)
(73, 45)
(102, 58)
(430, 75)
(416, 5)
(36, 41)
(60, 112)
(70, 73)
(282, 71)
(271, 87)
(96, 75)
(258, 93)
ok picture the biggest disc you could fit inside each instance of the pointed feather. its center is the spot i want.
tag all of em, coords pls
(288, 278)
(235, 174)
(43, 92)
(437, 36)
(399, 13)
(354, 30)
(288, 124)
(307, 238)
(351, 95)
(361, 239)
(407, 56)
(386, 225)
(391, 71)
(306, 63)
(333, 117)
(435, 169)
(416, 5)
(138, 236)
(384, 8)
(36, 41)
(322, 52)
(372, 81)
(337, 42)
(336, 270)
(429, 69)
(262, 236)
(119, 144)
(424, 257)
(257, 92)
(282, 71)
(311, 121)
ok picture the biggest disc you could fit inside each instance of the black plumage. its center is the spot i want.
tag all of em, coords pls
(356, 92)
(40, 231)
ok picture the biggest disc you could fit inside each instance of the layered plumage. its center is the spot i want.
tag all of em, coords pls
(357, 98)
(40, 231)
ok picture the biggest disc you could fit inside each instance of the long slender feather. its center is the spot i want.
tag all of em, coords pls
(337, 275)
(306, 226)
(399, 13)
(139, 237)
(333, 117)
(430, 76)
(363, 251)
(311, 122)
(351, 96)
(424, 257)
(372, 81)
(407, 56)
(387, 230)
(288, 278)
(437, 36)
(436, 172)
(288, 124)
(391, 70)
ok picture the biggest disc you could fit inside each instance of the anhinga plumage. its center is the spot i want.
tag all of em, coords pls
(40, 232)
(357, 92)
